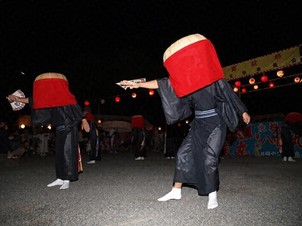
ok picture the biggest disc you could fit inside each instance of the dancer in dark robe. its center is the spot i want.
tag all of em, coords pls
(93, 139)
(138, 137)
(52, 103)
(196, 86)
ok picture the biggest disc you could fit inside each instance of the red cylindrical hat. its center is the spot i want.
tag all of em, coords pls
(293, 117)
(89, 116)
(192, 64)
(51, 90)
(137, 121)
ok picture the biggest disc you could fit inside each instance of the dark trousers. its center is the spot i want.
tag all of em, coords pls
(93, 151)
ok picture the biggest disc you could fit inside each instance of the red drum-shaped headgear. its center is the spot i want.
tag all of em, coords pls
(137, 121)
(52, 90)
(192, 64)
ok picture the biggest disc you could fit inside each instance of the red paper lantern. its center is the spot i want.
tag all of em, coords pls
(264, 78)
(86, 103)
(237, 84)
(151, 92)
(133, 95)
(297, 80)
(280, 73)
(117, 99)
(271, 85)
(243, 90)
(252, 81)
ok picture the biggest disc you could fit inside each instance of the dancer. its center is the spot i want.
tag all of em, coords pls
(52, 103)
(196, 85)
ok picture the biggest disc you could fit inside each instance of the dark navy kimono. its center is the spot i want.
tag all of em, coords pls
(66, 120)
(216, 107)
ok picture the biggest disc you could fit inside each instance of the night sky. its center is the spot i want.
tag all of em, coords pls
(97, 43)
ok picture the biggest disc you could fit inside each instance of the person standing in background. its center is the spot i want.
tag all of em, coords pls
(5, 146)
(287, 144)
(138, 137)
(93, 139)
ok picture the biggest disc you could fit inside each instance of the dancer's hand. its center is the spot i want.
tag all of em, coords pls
(246, 117)
(85, 125)
(11, 98)
(128, 84)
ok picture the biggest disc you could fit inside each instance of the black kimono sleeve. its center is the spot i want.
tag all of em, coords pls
(229, 105)
(175, 109)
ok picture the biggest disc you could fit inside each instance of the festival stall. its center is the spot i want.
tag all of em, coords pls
(259, 139)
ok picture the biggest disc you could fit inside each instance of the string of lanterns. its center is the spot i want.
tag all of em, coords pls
(252, 85)
(117, 98)
(267, 83)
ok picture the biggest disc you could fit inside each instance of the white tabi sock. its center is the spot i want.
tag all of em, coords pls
(290, 159)
(213, 203)
(175, 193)
(65, 184)
(55, 183)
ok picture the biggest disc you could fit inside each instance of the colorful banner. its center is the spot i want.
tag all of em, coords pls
(258, 139)
(275, 61)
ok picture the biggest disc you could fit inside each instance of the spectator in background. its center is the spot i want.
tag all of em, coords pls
(138, 143)
(116, 141)
(5, 146)
(18, 144)
(92, 139)
(287, 144)
(157, 140)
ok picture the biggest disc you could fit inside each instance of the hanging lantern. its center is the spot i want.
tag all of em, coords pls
(235, 89)
(237, 84)
(271, 85)
(252, 81)
(280, 73)
(151, 92)
(86, 103)
(133, 95)
(243, 90)
(264, 78)
(256, 87)
(297, 80)
(117, 99)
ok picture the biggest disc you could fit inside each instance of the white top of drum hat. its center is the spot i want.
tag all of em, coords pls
(181, 43)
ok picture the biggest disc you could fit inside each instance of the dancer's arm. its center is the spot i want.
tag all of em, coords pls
(135, 85)
(13, 98)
